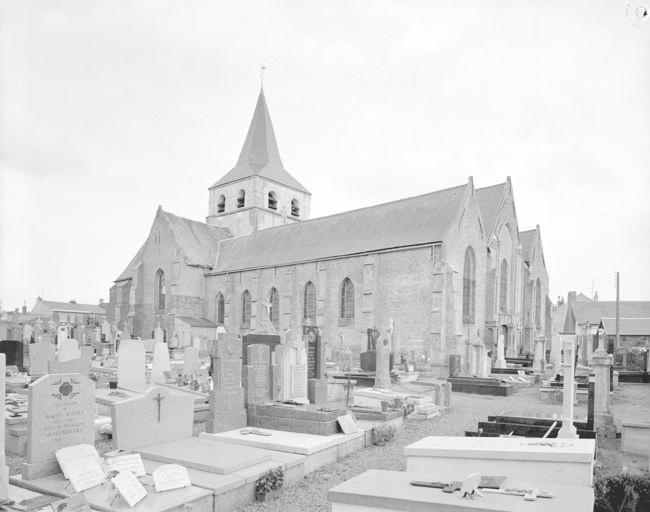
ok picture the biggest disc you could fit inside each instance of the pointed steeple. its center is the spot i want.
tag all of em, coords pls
(259, 154)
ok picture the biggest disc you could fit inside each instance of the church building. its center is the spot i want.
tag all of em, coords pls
(445, 268)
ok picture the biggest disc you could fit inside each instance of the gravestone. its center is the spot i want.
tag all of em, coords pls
(156, 417)
(28, 332)
(158, 334)
(256, 376)
(160, 363)
(68, 349)
(568, 429)
(106, 331)
(4, 469)
(40, 354)
(191, 360)
(78, 365)
(603, 417)
(382, 375)
(130, 366)
(315, 352)
(87, 352)
(299, 373)
(272, 340)
(13, 350)
(343, 359)
(80, 335)
(61, 413)
(61, 334)
(227, 411)
(539, 359)
(501, 357)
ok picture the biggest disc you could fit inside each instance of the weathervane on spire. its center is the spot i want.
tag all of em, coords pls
(262, 68)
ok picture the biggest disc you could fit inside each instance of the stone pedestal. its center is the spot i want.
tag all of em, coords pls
(317, 391)
(603, 417)
(501, 351)
(568, 430)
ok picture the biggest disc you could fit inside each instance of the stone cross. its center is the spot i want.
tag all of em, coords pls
(568, 429)
(158, 398)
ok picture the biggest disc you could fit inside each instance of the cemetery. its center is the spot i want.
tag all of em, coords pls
(137, 424)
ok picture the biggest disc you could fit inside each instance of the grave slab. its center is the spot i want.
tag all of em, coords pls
(391, 491)
(279, 440)
(635, 438)
(553, 461)
(211, 456)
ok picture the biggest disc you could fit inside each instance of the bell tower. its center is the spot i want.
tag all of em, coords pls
(258, 192)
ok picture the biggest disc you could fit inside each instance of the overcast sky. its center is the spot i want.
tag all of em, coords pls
(110, 108)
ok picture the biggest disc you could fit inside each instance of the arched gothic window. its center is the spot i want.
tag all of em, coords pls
(309, 303)
(274, 308)
(295, 208)
(503, 287)
(538, 303)
(221, 309)
(469, 286)
(241, 198)
(245, 308)
(347, 299)
(273, 200)
(221, 204)
(160, 289)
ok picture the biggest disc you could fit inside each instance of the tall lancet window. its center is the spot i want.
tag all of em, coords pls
(295, 208)
(241, 198)
(245, 309)
(160, 289)
(273, 201)
(309, 304)
(221, 309)
(503, 287)
(469, 286)
(221, 204)
(538, 303)
(347, 299)
(274, 308)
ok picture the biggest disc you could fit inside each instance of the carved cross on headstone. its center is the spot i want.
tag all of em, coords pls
(158, 398)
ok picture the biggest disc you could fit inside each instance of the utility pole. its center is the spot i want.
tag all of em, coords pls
(618, 319)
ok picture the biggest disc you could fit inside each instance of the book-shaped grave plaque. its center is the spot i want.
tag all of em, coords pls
(131, 462)
(129, 487)
(170, 476)
(80, 465)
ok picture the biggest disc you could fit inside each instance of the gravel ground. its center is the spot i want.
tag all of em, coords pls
(631, 402)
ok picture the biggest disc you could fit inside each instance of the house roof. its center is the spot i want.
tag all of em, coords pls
(260, 155)
(627, 326)
(593, 312)
(527, 239)
(196, 322)
(581, 297)
(71, 307)
(197, 241)
(489, 199)
(406, 222)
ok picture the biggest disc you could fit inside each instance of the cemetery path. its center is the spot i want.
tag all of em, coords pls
(632, 401)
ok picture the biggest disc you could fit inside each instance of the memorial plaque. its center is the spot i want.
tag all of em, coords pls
(298, 381)
(314, 355)
(272, 340)
(61, 413)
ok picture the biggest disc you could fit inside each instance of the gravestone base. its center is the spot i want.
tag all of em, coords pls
(317, 391)
(306, 419)
(227, 411)
(34, 470)
(604, 426)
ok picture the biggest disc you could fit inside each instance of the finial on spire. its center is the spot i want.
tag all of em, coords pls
(262, 68)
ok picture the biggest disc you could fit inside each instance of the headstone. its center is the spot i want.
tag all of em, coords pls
(98, 335)
(158, 334)
(160, 363)
(78, 365)
(130, 366)
(191, 360)
(61, 334)
(382, 375)
(539, 359)
(106, 331)
(28, 331)
(156, 417)
(603, 417)
(61, 413)
(501, 351)
(257, 374)
(40, 354)
(343, 359)
(272, 340)
(299, 372)
(87, 352)
(68, 349)
(315, 353)
(227, 411)
(80, 335)
(13, 350)
(568, 429)
(4, 469)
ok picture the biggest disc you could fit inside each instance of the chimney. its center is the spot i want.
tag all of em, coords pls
(571, 298)
(24, 310)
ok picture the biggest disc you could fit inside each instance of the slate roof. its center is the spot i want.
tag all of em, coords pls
(593, 312)
(260, 155)
(407, 222)
(627, 326)
(527, 239)
(197, 240)
(74, 308)
(488, 199)
(196, 322)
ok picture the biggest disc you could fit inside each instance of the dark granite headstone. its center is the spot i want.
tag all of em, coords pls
(13, 350)
(315, 352)
(368, 361)
(257, 374)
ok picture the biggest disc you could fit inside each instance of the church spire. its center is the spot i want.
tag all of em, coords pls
(260, 148)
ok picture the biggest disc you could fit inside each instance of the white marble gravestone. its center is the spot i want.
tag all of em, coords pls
(568, 429)
(191, 360)
(68, 349)
(160, 363)
(40, 354)
(61, 413)
(382, 374)
(501, 350)
(130, 365)
(61, 334)
(156, 417)
(158, 334)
